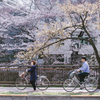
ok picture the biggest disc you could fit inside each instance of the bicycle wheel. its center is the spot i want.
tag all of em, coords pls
(69, 85)
(42, 83)
(91, 84)
(21, 83)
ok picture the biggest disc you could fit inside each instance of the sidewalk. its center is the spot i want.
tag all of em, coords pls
(49, 90)
(12, 93)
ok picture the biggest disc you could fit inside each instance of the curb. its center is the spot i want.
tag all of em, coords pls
(29, 97)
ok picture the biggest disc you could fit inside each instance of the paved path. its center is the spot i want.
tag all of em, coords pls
(50, 89)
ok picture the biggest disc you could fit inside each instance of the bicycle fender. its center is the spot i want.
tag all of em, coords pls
(43, 76)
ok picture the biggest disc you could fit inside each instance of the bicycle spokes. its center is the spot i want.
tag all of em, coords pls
(21, 83)
(42, 83)
(69, 85)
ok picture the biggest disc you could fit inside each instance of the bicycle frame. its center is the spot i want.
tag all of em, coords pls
(38, 77)
(71, 84)
(41, 76)
(42, 82)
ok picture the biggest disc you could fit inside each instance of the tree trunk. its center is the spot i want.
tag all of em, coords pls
(96, 53)
(98, 59)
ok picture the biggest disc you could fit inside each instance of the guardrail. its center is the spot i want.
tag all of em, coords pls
(56, 74)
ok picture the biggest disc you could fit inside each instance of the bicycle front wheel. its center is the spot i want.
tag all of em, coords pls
(69, 85)
(21, 83)
(91, 84)
(42, 83)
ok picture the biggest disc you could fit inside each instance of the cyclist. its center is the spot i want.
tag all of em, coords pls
(33, 75)
(84, 70)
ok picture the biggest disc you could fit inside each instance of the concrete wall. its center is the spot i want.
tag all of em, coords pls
(3, 97)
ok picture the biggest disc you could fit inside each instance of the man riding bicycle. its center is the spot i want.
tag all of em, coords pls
(84, 70)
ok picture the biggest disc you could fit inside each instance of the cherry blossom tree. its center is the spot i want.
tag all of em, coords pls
(75, 17)
(32, 25)
(19, 22)
(15, 29)
(82, 15)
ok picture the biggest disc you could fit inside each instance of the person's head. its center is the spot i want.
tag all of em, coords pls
(83, 59)
(33, 62)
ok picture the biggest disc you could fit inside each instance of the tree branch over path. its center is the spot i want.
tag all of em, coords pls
(62, 39)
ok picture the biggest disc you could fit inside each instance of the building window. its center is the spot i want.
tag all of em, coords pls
(85, 42)
(62, 43)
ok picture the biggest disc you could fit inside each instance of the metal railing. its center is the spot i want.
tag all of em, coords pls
(56, 73)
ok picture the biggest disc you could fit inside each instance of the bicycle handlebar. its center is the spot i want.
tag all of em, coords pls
(76, 70)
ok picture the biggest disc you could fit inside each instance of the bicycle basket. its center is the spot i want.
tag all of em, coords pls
(20, 73)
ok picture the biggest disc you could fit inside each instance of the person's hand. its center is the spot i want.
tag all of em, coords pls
(26, 70)
(78, 70)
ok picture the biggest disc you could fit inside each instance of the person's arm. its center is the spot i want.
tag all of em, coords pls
(31, 69)
(84, 66)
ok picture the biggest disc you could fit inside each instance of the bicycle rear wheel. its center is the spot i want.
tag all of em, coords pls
(69, 85)
(91, 84)
(42, 83)
(21, 83)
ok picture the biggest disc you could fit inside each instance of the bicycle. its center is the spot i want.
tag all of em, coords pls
(22, 82)
(73, 82)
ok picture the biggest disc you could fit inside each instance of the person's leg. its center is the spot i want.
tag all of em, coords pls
(33, 84)
(82, 76)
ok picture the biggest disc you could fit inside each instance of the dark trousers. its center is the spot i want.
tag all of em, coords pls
(82, 75)
(33, 84)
